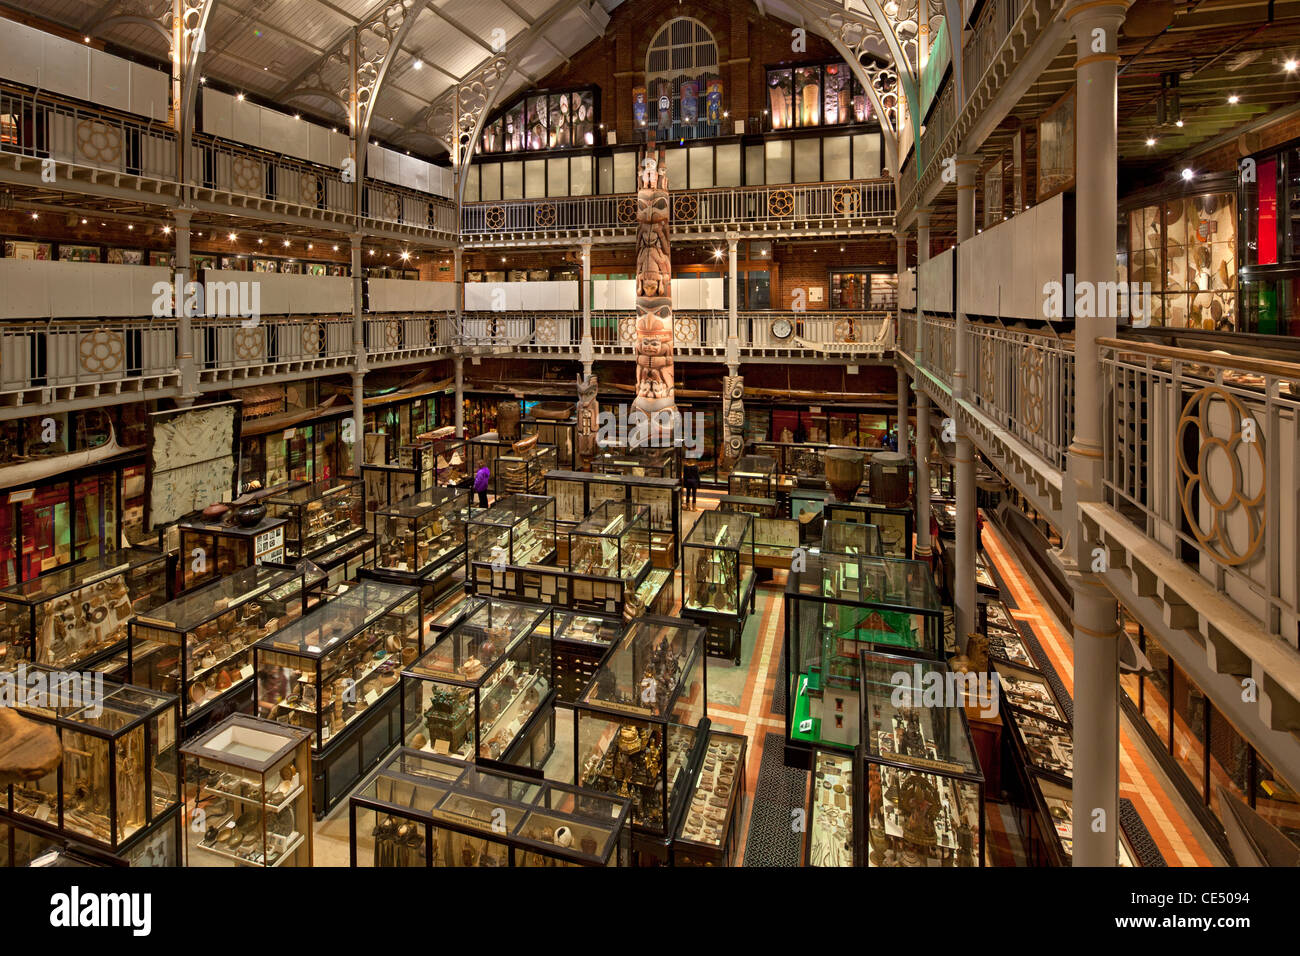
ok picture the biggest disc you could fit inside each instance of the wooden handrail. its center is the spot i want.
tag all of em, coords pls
(1235, 363)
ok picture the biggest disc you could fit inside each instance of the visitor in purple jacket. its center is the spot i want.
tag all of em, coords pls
(481, 479)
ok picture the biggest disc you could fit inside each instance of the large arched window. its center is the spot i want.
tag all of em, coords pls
(683, 88)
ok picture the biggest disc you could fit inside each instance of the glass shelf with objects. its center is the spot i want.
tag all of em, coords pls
(225, 549)
(613, 541)
(437, 457)
(834, 606)
(79, 614)
(320, 515)
(425, 810)
(718, 579)
(895, 524)
(200, 646)
(522, 470)
(849, 537)
(516, 529)
(644, 462)
(384, 485)
(830, 819)
(248, 795)
(334, 672)
(475, 693)
(918, 785)
(709, 832)
(641, 725)
(753, 476)
(559, 433)
(119, 778)
(423, 537)
(578, 493)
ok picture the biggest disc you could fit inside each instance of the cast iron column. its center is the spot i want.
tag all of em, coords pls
(923, 547)
(359, 348)
(964, 573)
(184, 324)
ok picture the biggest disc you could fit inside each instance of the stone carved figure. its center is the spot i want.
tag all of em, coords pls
(588, 416)
(655, 399)
(733, 417)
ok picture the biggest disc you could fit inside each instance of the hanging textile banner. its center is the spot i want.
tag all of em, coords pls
(639, 105)
(664, 97)
(714, 96)
(690, 105)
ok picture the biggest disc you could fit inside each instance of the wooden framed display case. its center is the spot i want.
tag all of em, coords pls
(753, 476)
(22, 847)
(613, 541)
(844, 537)
(515, 530)
(248, 795)
(718, 579)
(561, 434)
(522, 470)
(212, 550)
(896, 525)
(321, 516)
(421, 809)
(335, 672)
(745, 504)
(475, 693)
(119, 780)
(79, 614)
(384, 485)
(834, 606)
(200, 646)
(641, 725)
(643, 462)
(422, 538)
(830, 820)
(579, 643)
(577, 493)
(919, 789)
(708, 834)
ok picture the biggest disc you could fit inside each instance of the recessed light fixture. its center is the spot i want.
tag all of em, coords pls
(202, 80)
(240, 97)
(85, 39)
(286, 243)
(259, 240)
(1290, 64)
(130, 227)
(167, 230)
(1151, 140)
(83, 222)
(1188, 175)
(336, 248)
(418, 64)
(297, 116)
(36, 215)
(309, 247)
(232, 237)
(1234, 99)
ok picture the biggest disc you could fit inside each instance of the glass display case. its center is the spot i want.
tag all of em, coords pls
(830, 819)
(894, 524)
(1005, 640)
(475, 692)
(758, 507)
(522, 470)
(384, 485)
(644, 462)
(422, 534)
(844, 537)
(335, 672)
(22, 844)
(708, 834)
(640, 725)
(578, 644)
(320, 515)
(578, 493)
(613, 542)
(484, 450)
(516, 530)
(753, 476)
(78, 614)
(438, 461)
(561, 434)
(200, 646)
(119, 777)
(718, 577)
(425, 810)
(919, 786)
(248, 795)
(834, 606)
(1028, 691)
(213, 549)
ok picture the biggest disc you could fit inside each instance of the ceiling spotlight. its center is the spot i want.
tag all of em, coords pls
(85, 39)
(1290, 65)
(372, 252)
(83, 222)
(1188, 175)
(1178, 123)
(309, 247)
(36, 215)
(202, 80)
(1234, 99)
(297, 116)
(717, 253)
(1151, 140)
(130, 227)
(406, 255)
(418, 64)
(286, 243)
(503, 258)
(167, 230)
(240, 97)
(232, 237)
(259, 240)
(336, 248)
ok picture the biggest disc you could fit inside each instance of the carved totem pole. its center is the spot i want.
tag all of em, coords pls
(655, 399)
(588, 416)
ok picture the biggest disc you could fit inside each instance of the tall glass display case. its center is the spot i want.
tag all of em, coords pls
(320, 515)
(119, 778)
(613, 542)
(334, 672)
(845, 537)
(561, 434)
(640, 726)
(424, 810)
(522, 470)
(718, 578)
(384, 485)
(212, 549)
(835, 605)
(200, 646)
(79, 614)
(516, 529)
(423, 534)
(578, 493)
(753, 476)
(477, 690)
(920, 789)
(644, 462)
(830, 820)
(248, 795)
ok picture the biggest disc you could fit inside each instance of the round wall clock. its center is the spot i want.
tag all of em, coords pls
(782, 328)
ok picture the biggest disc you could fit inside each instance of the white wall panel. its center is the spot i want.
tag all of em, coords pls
(907, 290)
(110, 79)
(150, 92)
(1004, 268)
(70, 290)
(22, 54)
(935, 283)
(67, 67)
(218, 114)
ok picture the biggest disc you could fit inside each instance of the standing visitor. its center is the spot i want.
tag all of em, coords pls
(691, 481)
(481, 479)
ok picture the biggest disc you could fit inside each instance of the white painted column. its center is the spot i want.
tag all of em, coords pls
(733, 308)
(587, 350)
(923, 547)
(184, 322)
(359, 350)
(459, 362)
(964, 590)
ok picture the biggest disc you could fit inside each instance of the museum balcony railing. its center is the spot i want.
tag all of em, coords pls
(697, 333)
(824, 208)
(113, 355)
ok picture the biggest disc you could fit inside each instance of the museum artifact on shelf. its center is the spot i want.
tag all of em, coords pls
(118, 786)
(477, 691)
(516, 530)
(422, 538)
(708, 834)
(200, 646)
(895, 524)
(77, 615)
(835, 605)
(321, 516)
(578, 493)
(248, 795)
(335, 672)
(641, 724)
(753, 476)
(718, 580)
(830, 819)
(423, 809)
(613, 541)
(226, 547)
(918, 784)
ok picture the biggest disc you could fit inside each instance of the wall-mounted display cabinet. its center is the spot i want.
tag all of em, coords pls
(77, 615)
(425, 810)
(248, 795)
